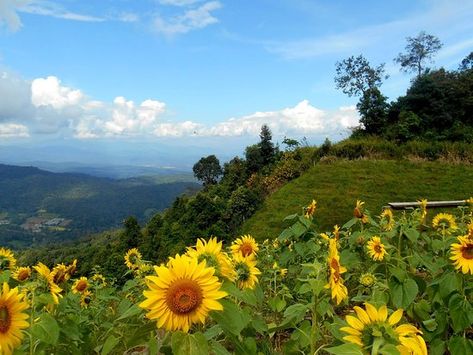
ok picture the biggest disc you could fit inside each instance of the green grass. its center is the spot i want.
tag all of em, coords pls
(337, 185)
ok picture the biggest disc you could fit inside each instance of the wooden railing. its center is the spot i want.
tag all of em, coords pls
(430, 204)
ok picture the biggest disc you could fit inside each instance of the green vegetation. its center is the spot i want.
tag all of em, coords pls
(90, 204)
(338, 183)
(437, 106)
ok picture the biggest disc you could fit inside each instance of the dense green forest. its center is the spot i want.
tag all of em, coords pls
(87, 204)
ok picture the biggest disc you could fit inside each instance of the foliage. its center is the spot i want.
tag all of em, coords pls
(373, 109)
(467, 63)
(207, 170)
(355, 76)
(420, 287)
(419, 50)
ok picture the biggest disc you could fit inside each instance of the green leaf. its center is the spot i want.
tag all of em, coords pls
(189, 344)
(430, 324)
(218, 348)
(290, 217)
(460, 345)
(461, 312)
(448, 284)
(46, 330)
(295, 312)
(109, 344)
(130, 312)
(398, 273)
(403, 294)
(412, 235)
(232, 319)
(350, 223)
(345, 349)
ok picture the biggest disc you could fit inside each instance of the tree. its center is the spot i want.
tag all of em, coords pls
(207, 170)
(355, 76)
(467, 63)
(373, 109)
(254, 159)
(266, 145)
(131, 235)
(419, 50)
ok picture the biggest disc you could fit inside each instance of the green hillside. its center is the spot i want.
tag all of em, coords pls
(336, 186)
(38, 206)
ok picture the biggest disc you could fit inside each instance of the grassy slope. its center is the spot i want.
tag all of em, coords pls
(337, 185)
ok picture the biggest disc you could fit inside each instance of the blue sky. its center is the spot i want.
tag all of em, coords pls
(200, 73)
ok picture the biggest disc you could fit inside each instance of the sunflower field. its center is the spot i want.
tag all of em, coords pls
(389, 284)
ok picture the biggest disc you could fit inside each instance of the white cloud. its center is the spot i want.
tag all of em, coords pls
(49, 8)
(13, 130)
(49, 91)
(302, 119)
(192, 19)
(46, 106)
(8, 13)
(178, 2)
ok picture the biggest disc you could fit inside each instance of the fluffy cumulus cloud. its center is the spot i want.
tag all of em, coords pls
(302, 119)
(192, 19)
(46, 106)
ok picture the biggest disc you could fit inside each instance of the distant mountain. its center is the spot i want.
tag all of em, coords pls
(165, 174)
(38, 205)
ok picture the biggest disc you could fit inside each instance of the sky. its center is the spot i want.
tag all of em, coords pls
(121, 79)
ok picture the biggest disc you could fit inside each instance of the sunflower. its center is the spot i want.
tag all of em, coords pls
(367, 279)
(47, 275)
(376, 249)
(80, 285)
(211, 252)
(182, 293)
(22, 273)
(246, 271)
(12, 319)
(335, 282)
(310, 210)
(423, 209)
(371, 323)
(358, 212)
(59, 274)
(244, 246)
(7, 259)
(336, 232)
(71, 269)
(133, 259)
(99, 279)
(387, 219)
(445, 222)
(462, 254)
(85, 298)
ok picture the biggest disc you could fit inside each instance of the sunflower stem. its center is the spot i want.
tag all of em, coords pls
(399, 246)
(31, 323)
(314, 328)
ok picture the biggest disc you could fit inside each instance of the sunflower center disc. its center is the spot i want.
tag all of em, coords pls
(467, 252)
(81, 286)
(23, 275)
(246, 249)
(4, 319)
(377, 248)
(184, 296)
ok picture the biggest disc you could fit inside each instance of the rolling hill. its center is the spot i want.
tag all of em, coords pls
(37, 205)
(337, 184)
